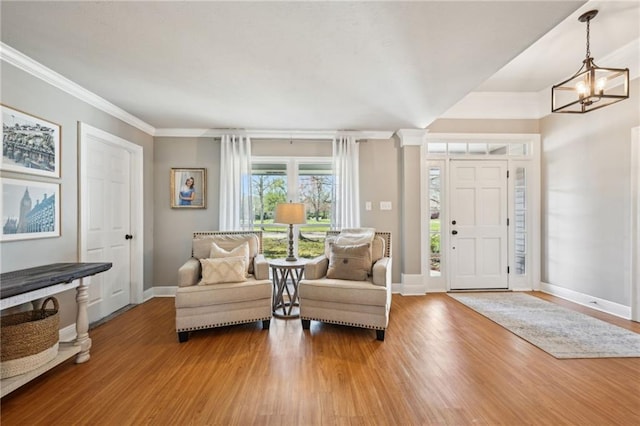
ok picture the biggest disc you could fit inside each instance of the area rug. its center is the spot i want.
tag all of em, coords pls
(556, 330)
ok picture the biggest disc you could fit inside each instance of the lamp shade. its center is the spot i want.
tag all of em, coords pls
(290, 213)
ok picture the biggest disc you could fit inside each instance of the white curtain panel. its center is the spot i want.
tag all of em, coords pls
(346, 188)
(236, 211)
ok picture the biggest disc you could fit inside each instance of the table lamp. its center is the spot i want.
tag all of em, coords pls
(291, 214)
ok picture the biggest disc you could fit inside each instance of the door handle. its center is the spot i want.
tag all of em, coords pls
(454, 232)
(128, 237)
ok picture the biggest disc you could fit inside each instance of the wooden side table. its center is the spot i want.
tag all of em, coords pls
(284, 273)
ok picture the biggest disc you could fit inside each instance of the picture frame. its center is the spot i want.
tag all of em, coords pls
(29, 209)
(30, 144)
(184, 196)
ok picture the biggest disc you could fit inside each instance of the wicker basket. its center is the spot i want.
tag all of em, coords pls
(28, 339)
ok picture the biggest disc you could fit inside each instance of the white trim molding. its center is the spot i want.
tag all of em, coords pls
(412, 137)
(275, 134)
(596, 303)
(634, 224)
(411, 285)
(161, 291)
(19, 60)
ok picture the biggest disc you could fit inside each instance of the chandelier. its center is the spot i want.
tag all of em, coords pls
(591, 87)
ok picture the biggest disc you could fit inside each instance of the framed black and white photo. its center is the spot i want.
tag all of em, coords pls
(29, 144)
(29, 209)
(188, 188)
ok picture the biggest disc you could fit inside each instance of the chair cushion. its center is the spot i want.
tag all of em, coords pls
(343, 291)
(205, 295)
(242, 250)
(223, 270)
(349, 262)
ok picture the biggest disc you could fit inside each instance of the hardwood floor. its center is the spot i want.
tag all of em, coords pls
(440, 363)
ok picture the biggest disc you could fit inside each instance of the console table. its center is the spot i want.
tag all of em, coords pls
(34, 284)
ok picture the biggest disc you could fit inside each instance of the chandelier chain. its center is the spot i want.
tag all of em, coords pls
(588, 47)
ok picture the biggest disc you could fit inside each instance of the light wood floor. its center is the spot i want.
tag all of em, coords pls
(441, 363)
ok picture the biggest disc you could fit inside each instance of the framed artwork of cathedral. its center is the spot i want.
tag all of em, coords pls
(30, 209)
(29, 144)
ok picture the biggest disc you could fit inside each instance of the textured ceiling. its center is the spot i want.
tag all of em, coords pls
(275, 65)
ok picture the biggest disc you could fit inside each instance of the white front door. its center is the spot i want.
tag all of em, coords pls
(478, 225)
(106, 221)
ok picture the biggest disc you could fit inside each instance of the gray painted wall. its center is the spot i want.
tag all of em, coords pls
(29, 94)
(174, 227)
(586, 199)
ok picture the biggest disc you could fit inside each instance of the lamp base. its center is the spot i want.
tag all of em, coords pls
(291, 259)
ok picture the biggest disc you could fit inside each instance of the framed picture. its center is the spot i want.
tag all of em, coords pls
(29, 209)
(29, 144)
(188, 188)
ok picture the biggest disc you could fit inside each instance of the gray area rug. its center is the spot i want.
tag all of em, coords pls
(559, 331)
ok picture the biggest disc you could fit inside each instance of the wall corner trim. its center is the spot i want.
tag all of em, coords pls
(18, 59)
(411, 137)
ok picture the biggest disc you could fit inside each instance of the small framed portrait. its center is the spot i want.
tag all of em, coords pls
(188, 188)
(30, 209)
(29, 144)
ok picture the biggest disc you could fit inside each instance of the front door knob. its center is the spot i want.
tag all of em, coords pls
(454, 232)
(128, 237)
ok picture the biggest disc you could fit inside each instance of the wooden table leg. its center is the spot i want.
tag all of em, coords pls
(82, 323)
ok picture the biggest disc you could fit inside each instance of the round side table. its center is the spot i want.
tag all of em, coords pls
(286, 276)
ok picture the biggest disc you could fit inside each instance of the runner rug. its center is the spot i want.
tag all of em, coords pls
(556, 330)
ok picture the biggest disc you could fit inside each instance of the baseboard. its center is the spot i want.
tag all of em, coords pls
(164, 291)
(596, 303)
(412, 285)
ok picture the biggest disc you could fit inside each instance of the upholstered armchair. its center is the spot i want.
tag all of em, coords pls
(350, 284)
(225, 282)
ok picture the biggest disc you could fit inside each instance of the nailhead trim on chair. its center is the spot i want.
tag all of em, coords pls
(352, 324)
(223, 324)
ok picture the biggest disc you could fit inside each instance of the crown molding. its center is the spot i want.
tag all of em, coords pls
(412, 137)
(275, 134)
(534, 105)
(19, 60)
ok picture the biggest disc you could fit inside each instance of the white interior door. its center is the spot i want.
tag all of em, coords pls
(106, 221)
(478, 225)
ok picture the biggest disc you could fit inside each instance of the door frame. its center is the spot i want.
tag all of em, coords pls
(634, 221)
(85, 133)
(530, 160)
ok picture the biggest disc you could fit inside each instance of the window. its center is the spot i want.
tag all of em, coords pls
(306, 180)
(435, 191)
(520, 209)
(315, 189)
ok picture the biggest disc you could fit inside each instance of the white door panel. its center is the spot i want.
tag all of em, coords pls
(106, 193)
(478, 241)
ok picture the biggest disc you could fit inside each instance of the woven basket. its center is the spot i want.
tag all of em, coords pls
(28, 339)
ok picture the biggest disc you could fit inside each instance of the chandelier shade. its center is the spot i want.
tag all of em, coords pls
(592, 87)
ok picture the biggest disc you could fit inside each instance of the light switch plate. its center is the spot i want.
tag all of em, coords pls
(385, 205)
(367, 206)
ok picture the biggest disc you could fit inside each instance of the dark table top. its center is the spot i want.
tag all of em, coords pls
(25, 280)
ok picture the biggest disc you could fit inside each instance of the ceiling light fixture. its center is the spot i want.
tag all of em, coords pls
(591, 87)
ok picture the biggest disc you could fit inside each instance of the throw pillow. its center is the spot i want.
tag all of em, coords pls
(223, 270)
(349, 262)
(357, 236)
(242, 250)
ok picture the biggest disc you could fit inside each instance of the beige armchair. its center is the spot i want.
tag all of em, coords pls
(360, 301)
(225, 282)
